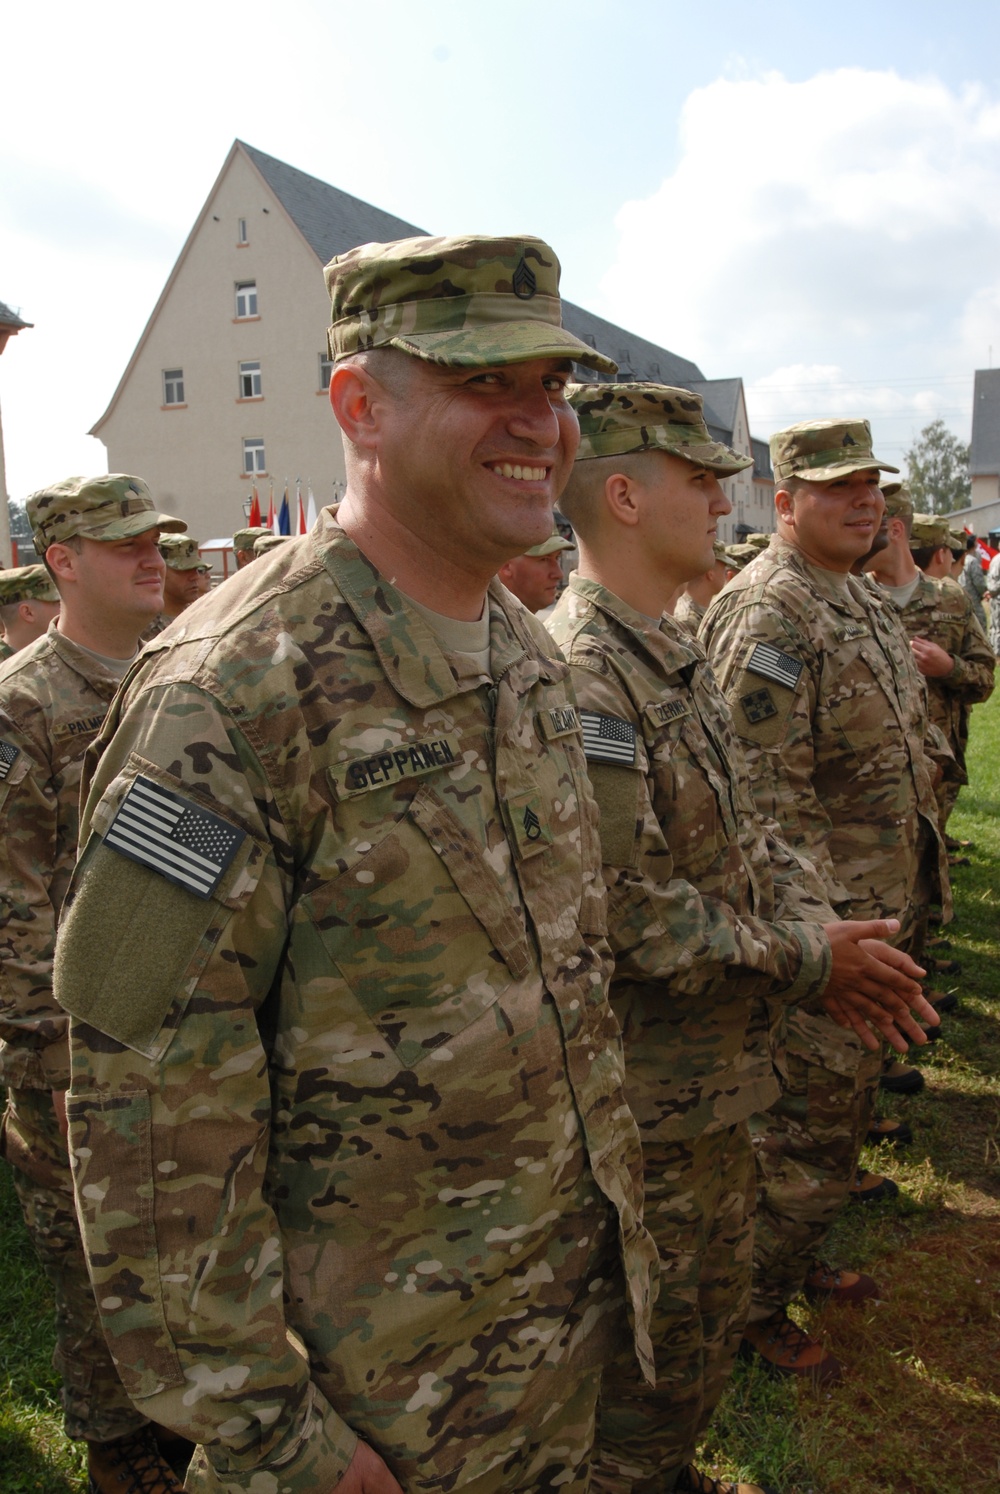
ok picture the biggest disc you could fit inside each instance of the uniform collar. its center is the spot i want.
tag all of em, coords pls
(671, 648)
(82, 662)
(408, 650)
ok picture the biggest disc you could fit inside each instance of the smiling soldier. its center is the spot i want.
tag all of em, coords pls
(335, 953)
(821, 686)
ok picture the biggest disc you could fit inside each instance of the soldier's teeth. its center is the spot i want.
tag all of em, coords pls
(519, 474)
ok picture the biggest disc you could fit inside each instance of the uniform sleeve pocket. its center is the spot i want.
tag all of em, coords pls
(421, 930)
(116, 1206)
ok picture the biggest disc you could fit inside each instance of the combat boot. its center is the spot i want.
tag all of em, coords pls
(130, 1465)
(690, 1481)
(898, 1079)
(896, 1133)
(871, 1187)
(825, 1284)
(783, 1348)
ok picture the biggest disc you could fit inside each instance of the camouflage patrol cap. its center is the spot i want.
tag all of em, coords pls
(898, 503)
(269, 541)
(758, 541)
(616, 419)
(181, 553)
(113, 507)
(930, 532)
(243, 539)
(465, 302)
(551, 546)
(26, 583)
(719, 551)
(957, 539)
(823, 449)
(740, 556)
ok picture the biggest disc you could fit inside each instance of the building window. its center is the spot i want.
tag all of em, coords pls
(246, 298)
(173, 386)
(325, 370)
(250, 381)
(253, 456)
(241, 231)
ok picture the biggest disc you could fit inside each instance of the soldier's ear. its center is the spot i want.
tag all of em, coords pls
(353, 397)
(621, 499)
(61, 561)
(784, 504)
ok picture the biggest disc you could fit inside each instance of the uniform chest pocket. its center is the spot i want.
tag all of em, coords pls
(421, 930)
(858, 705)
(702, 822)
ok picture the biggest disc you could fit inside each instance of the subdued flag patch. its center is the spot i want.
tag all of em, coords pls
(774, 665)
(174, 836)
(8, 757)
(608, 739)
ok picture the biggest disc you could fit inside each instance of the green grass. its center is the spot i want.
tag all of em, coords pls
(919, 1409)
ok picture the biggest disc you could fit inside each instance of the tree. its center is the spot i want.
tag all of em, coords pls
(20, 532)
(938, 469)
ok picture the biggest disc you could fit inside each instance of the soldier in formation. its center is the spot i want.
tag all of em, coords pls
(99, 540)
(689, 608)
(709, 912)
(28, 603)
(536, 576)
(335, 952)
(827, 700)
(243, 544)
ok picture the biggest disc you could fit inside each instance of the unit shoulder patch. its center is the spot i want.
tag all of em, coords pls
(758, 705)
(174, 836)
(608, 739)
(772, 664)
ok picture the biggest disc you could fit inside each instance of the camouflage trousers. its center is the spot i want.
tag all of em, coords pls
(699, 1210)
(552, 1455)
(94, 1402)
(806, 1148)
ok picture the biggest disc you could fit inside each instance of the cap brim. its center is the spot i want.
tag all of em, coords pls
(714, 456)
(120, 529)
(507, 342)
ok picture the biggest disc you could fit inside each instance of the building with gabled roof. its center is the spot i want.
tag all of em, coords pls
(982, 516)
(227, 386)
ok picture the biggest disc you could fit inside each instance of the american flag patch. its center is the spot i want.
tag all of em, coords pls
(8, 757)
(608, 739)
(188, 845)
(774, 665)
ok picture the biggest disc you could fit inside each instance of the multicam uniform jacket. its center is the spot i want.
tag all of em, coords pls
(53, 700)
(708, 910)
(363, 1080)
(941, 612)
(827, 701)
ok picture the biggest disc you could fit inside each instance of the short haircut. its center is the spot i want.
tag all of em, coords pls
(579, 502)
(75, 543)
(925, 555)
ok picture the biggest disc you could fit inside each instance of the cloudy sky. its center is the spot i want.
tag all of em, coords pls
(803, 195)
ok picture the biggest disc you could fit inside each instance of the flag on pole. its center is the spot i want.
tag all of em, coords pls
(254, 519)
(284, 519)
(270, 510)
(310, 509)
(984, 552)
(302, 513)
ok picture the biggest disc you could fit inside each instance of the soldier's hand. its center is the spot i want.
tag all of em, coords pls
(931, 659)
(873, 985)
(367, 1474)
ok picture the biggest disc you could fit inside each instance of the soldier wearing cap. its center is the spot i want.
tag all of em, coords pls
(821, 687)
(689, 608)
(948, 645)
(359, 1015)
(972, 580)
(708, 911)
(98, 536)
(265, 542)
(186, 578)
(243, 543)
(738, 557)
(28, 603)
(536, 576)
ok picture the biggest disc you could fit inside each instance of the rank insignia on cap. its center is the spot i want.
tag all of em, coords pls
(8, 757)
(523, 280)
(774, 665)
(758, 706)
(848, 440)
(174, 836)
(608, 739)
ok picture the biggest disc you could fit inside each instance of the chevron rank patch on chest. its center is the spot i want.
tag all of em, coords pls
(759, 705)
(8, 757)
(608, 739)
(772, 664)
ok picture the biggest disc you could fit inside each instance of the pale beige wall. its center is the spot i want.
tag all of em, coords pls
(985, 490)
(752, 501)
(192, 457)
